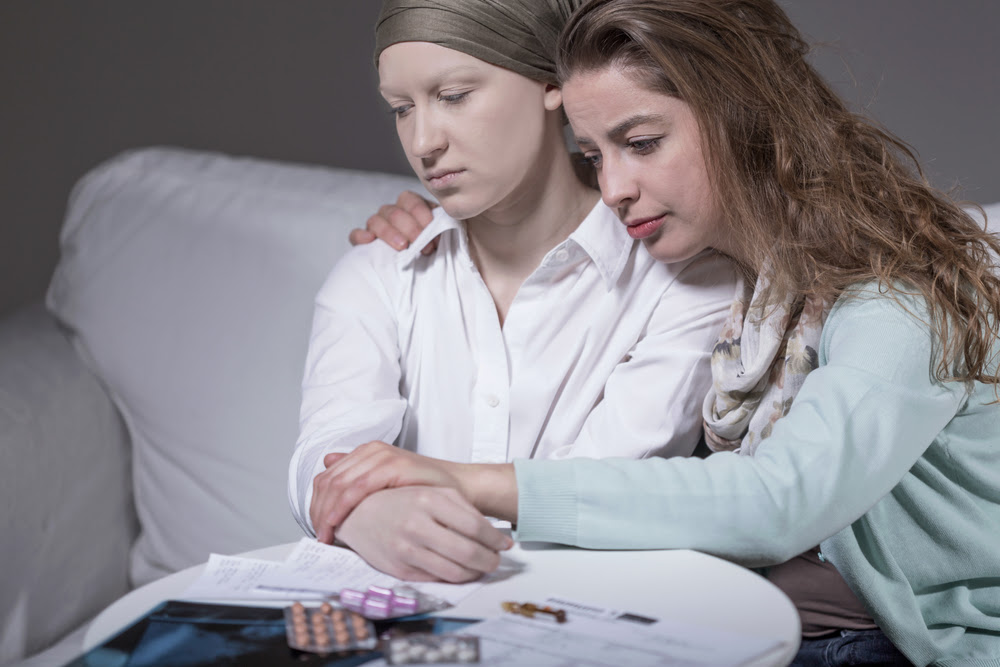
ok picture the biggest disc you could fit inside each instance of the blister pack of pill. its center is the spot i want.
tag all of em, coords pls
(426, 649)
(378, 602)
(327, 629)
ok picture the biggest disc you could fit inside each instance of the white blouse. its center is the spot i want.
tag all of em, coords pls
(604, 352)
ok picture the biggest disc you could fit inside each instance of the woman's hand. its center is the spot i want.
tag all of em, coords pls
(398, 224)
(422, 533)
(350, 478)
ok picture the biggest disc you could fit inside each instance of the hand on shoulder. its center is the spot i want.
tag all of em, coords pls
(398, 224)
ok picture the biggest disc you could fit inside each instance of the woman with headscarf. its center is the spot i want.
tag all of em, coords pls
(539, 329)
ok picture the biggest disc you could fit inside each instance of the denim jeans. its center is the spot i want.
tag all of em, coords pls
(849, 647)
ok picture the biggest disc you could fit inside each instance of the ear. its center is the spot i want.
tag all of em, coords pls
(553, 97)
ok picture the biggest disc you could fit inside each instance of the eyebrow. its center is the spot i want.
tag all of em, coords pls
(458, 70)
(616, 132)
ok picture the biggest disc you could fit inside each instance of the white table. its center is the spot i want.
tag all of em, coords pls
(680, 585)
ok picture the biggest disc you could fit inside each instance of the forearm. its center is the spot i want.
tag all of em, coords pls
(378, 421)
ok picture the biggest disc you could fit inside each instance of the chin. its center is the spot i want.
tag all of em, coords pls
(670, 255)
(459, 207)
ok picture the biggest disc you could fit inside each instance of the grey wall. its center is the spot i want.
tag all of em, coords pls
(929, 70)
(82, 80)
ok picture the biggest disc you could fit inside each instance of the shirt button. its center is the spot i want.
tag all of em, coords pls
(562, 255)
(492, 401)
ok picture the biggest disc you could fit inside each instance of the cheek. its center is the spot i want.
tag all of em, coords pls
(511, 140)
(516, 115)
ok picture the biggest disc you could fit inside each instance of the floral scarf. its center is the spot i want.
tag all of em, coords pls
(758, 366)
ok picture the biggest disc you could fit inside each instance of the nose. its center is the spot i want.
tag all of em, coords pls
(619, 185)
(428, 134)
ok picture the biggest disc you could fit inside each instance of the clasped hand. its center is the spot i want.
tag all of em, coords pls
(405, 514)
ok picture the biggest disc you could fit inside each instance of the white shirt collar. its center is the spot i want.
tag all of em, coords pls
(600, 235)
(441, 223)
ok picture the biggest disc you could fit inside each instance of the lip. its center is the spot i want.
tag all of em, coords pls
(641, 228)
(441, 178)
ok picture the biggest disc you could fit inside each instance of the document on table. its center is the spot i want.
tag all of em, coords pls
(600, 637)
(313, 571)
(317, 567)
(232, 578)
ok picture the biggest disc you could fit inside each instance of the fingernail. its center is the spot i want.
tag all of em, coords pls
(508, 544)
(398, 243)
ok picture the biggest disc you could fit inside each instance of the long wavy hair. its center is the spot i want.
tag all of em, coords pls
(820, 195)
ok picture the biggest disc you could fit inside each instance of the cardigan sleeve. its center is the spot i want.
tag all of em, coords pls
(858, 424)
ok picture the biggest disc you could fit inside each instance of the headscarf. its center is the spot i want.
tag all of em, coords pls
(519, 35)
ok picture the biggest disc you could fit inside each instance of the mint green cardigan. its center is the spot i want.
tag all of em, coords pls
(896, 476)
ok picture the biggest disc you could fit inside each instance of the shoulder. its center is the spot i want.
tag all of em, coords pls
(708, 273)
(875, 306)
(374, 261)
(882, 331)
(378, 263)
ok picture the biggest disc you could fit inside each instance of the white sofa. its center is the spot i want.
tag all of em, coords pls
(149, 408)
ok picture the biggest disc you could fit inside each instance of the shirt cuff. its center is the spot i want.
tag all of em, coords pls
(546, 501)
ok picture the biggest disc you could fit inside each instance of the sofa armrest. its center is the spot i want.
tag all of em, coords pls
(65, 486)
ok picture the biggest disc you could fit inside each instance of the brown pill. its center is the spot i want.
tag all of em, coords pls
(326, 608)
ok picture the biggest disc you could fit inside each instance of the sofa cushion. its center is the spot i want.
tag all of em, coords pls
(188, 280)
(65, 487)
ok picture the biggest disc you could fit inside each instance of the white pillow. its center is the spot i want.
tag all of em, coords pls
(188, 281)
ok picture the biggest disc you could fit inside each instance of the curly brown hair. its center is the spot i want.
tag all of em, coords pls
(819, 194)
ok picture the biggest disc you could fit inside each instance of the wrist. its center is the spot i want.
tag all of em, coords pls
(490, 487)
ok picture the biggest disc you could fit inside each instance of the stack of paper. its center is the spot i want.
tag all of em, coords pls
(312, 571)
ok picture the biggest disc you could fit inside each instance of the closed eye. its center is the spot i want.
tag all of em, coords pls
(400, 110)
(592, 159)
(454, 98)
(644, 146)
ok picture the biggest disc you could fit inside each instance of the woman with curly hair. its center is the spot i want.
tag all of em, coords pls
(854, 410)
